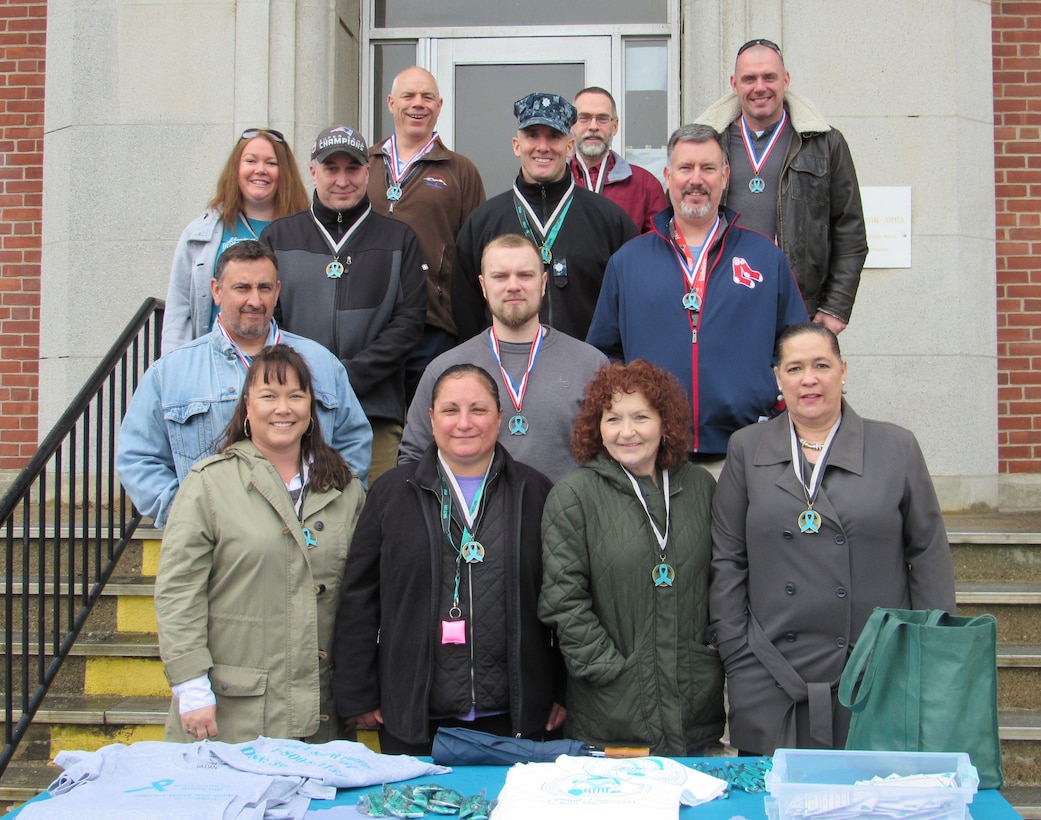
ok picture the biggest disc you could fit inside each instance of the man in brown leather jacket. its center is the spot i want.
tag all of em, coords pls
(792, 178)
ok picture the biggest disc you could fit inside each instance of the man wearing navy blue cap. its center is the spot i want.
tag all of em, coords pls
(575, 230)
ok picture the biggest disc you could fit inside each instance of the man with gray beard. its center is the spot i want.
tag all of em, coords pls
(596, 167)
(701, 297)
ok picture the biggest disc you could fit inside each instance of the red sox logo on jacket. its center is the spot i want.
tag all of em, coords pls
(744, 274)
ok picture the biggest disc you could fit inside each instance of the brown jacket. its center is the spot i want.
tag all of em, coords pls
(437, 197)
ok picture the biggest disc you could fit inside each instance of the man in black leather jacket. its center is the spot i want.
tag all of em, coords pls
(792, 178)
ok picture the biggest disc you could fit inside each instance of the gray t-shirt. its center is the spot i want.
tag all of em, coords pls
(757, 211)
(563, 368)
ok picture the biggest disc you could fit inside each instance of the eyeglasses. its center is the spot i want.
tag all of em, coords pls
(250, 133)
(601, 119)
(770, 44)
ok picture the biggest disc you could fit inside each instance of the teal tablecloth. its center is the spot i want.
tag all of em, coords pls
(986, 805)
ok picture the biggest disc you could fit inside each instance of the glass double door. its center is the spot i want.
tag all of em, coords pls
(481, 77)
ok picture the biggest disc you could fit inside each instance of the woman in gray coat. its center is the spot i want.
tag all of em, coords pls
(819, 517)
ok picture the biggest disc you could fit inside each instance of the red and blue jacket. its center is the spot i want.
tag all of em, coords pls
(722, 355)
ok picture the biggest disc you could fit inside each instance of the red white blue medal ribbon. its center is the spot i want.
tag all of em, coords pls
(756, 184)
(695, 271)
(396, 169)
(518, 424)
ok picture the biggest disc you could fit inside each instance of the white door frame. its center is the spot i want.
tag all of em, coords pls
(595, 53)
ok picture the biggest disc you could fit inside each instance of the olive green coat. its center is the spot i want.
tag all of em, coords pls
(639, 670)
(241, 596)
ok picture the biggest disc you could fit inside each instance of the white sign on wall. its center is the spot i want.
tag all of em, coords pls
(887, 215)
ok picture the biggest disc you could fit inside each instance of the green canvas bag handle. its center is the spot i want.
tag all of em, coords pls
(879, 630)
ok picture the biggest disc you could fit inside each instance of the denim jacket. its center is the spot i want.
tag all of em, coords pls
(178, 414)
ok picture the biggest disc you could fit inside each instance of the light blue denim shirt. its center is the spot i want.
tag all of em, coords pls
(180, 410)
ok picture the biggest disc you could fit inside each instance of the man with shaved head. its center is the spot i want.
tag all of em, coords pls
(792, 178)
(416, 179)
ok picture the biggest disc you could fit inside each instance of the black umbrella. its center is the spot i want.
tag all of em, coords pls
(465, 747)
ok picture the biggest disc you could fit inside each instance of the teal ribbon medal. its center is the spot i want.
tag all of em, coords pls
(663, 575)
(526, 216)
(470, 550)
(810, 520)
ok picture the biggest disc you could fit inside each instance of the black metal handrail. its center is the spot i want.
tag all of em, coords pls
(67, 516)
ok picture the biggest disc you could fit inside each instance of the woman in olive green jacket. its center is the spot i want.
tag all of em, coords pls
(626, 550)
(250, 569)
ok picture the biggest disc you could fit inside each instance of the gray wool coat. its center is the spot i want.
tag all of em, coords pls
(786, 607)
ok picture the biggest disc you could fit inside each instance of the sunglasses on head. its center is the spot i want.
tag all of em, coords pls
(770, 44)
(250, 133)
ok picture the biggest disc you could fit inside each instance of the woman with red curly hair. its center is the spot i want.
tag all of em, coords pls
(626, 549)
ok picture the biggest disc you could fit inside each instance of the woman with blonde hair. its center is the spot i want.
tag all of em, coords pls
(259, 184)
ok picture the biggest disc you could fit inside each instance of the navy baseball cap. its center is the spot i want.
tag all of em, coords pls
(539, 108)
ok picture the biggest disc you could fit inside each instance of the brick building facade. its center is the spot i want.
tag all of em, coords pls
(1016, 28)
(23, 28)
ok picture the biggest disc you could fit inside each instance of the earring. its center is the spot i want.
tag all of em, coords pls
(246, 430)
(310, 427)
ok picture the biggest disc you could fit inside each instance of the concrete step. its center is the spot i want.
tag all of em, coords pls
(23, 780)
(996, 557)
(107, 664)
(1026, 800)
(125, 604)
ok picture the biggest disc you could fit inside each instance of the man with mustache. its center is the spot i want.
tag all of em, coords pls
(596, 167)
(794, 181)
(701, 297)
(180, 410)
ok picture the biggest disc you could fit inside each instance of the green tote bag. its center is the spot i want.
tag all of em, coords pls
(925, 681)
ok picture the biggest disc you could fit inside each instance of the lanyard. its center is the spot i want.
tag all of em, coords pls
(556, 219)
(468, 548)
(334, 270)
(663, 540)
(694, 270)
(600, 177)
(516, 394)
(746, 136)
(274, 337)
(810, 490)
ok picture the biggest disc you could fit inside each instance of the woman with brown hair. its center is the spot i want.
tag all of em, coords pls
(250, 569)
(259, 184)
(626, 549)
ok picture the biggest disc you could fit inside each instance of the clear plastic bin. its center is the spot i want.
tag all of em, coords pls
(818, 784)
